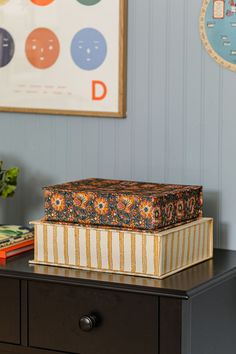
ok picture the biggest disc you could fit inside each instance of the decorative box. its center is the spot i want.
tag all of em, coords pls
(155, 255)
(135, 205)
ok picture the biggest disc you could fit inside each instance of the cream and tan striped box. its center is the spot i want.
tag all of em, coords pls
(155, 255)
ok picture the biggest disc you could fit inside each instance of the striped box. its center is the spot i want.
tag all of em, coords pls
(155, 255)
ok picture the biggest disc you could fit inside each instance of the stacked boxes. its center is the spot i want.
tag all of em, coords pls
(145, 229)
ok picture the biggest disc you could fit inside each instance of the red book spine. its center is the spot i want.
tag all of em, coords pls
(16, 249)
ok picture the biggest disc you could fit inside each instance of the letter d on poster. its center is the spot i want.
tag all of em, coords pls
(99, 90)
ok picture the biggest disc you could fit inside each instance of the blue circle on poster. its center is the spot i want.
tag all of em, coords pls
(7, 47)
(88, 49)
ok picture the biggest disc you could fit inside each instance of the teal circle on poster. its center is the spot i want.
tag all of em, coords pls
(218, 31)
(89, 2)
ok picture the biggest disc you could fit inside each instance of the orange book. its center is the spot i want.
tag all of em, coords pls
(15, 249)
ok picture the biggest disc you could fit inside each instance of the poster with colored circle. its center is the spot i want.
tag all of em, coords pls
(7, 47)
(218, 31)
(88, 49)
(63, 57)
(89, 2)
(42, 48)
(42, 2)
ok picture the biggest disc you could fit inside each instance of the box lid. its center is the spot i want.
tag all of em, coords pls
(121, 186)
(147, 233)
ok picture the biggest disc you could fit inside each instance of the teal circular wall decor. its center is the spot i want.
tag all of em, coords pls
(218, 31)
(88, 2)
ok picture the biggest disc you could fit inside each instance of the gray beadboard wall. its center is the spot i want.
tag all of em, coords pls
(181, 124)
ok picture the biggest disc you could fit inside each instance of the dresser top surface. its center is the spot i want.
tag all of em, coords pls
(184, 284)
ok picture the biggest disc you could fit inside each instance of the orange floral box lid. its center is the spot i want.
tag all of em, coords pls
(126, 204)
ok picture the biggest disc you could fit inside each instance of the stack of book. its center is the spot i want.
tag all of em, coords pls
(124, 227)
(14, 240)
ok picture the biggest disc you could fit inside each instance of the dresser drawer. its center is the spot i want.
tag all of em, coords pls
(124, 323)
(9, 311)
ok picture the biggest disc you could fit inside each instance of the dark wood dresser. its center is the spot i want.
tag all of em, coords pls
(49, 310)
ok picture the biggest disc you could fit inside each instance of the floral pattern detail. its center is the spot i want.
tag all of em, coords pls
(180, 209)
(169, 209)
(146, 209)
(191, 205)
(81, 200)
(158, 213)
(101, 206)
(123, 204)
(58, 202)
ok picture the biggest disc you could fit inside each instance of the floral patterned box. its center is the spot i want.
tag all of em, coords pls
(125, 204)
(147, 254)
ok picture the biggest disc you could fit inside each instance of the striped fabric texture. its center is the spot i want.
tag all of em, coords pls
(146, 254)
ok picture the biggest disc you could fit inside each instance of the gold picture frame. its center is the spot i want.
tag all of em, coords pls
(25, 88)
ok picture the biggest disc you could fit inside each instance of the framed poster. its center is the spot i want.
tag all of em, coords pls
(63, 57)
(218, 31)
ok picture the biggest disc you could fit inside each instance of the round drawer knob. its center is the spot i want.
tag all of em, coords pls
(87, 322)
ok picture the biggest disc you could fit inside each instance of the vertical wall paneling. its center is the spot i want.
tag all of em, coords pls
(210, 135)
(141, 42)
(91, 139)
(106, 149)
(180, 125)
(176, 77)
(151, 40)
(228, 193)
(75, 148)
(185, 34)
(166, 83)
(193, 95)
(157, 90)
(220, 159)
(132, 82)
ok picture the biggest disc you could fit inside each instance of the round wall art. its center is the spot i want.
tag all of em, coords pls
(42, 48)
(42, 2)
(7, 47)
(218, 31)
(89, 49)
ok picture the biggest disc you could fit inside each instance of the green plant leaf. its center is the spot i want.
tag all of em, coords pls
(11, 175)
(8, 181)
(8, 191)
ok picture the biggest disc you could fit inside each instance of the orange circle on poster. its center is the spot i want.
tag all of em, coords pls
(42, 48)
(42, 2)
